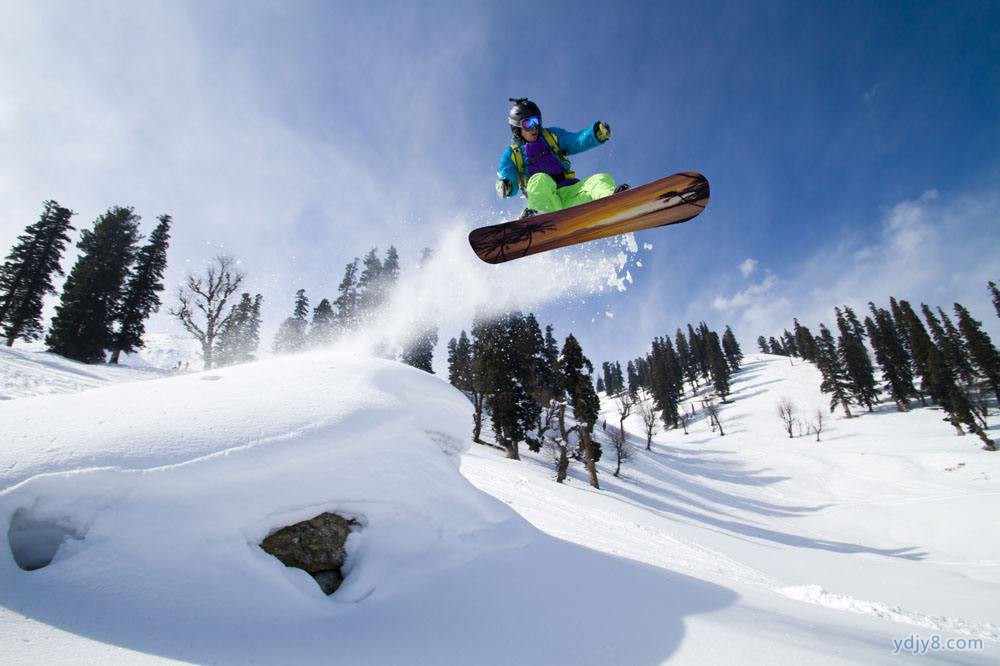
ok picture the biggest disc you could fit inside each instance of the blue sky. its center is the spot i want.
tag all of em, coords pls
(851, 147)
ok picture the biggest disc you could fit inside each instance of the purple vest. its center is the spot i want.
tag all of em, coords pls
(538, 158)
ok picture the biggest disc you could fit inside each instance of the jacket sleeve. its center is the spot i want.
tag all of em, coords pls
(575, 142)
(508, 171)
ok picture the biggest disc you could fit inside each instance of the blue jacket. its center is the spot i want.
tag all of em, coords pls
(569, 142)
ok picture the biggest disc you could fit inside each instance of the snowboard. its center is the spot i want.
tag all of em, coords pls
(669, 200)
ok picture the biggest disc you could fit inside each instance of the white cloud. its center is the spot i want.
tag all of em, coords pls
(931, 249)
(748, 267)
(751, 296)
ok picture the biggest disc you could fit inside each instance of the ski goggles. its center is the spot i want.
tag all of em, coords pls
(534, 122)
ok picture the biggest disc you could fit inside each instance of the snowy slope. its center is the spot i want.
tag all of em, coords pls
(883, 526)
(27, 369)
(746, 548)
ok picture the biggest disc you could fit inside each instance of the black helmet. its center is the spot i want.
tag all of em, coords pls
(523, 108)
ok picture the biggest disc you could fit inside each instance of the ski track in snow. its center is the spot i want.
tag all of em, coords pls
(815, 594)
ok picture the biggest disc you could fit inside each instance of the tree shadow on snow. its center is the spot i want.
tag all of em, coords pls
(743, 388)
(746, 529)
(683, 492)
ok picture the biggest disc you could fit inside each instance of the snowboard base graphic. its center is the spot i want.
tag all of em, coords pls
(670, 200)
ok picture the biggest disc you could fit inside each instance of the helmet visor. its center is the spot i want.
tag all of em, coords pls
(534, 122)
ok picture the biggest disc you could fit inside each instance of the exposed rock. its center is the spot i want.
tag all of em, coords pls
(316, 546)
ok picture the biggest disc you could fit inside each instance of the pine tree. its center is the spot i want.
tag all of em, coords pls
(239, 335)
(208, 295)
(452, 349)
(776, 347)
(835, 379)
(902, 326)
(642, 371)
(996, 296)
(575, 371)
(961, 349)
(984, 355)
(718, 367)
(321, 330)
(83, 327)
(377, 280)
(369, 287)
(633, 379)
(698, 353)
(480, 370)
(855, 360)
(949, 341)
(762, 345)
(291, 336)
(601, 388)
(891, 357)
(731, 348)
(347, 299)
(548, 372)
(951, 398)
(805, 342)
(529, 348)
(460, 362)
(605, 380)
(666, 381)
(675, 372)
(141, 293)
(26, 275)
(419, 352)
(389, 277)
(854, 325)
(918, 344)
(507, 374)
(684, 357)
(251, 329)
(788, 343)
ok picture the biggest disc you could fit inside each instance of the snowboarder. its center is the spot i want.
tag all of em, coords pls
(537, 163)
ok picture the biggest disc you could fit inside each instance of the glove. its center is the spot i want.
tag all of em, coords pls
(602, 131)
(504, 188)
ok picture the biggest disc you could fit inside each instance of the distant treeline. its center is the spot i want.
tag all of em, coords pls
(955, 367)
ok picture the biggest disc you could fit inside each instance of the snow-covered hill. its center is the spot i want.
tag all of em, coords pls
(747, 548)
(27, 369)
(884, 525)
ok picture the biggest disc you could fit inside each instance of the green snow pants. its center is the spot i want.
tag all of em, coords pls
(545, 197)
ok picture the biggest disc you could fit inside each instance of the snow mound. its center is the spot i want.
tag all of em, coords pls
(133, 515)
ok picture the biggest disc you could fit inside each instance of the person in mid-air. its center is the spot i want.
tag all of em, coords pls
(536, 162)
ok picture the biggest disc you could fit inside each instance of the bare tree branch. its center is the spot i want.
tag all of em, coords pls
(786, 411)
(648, 414)
(209, 294)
